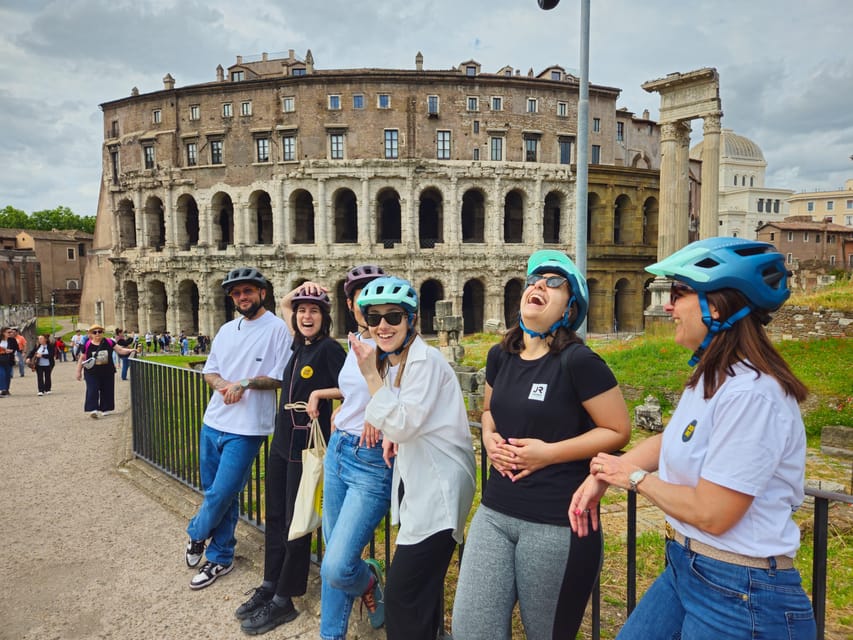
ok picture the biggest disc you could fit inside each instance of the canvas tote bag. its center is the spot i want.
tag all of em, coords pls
(309, 497)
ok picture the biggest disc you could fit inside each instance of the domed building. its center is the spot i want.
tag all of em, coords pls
(745, 203)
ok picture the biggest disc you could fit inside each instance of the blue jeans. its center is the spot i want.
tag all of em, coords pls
(225, 464)
(5, 376)
(356, 494)
(699, 598)
(125, 365)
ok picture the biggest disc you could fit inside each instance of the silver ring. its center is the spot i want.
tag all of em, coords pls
(586, 510)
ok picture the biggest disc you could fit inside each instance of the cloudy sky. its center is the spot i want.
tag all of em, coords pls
(786, 66)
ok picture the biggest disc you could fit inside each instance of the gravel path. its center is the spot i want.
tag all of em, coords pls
(93, 541)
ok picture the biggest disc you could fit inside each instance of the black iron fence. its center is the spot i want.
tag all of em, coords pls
(167, 405)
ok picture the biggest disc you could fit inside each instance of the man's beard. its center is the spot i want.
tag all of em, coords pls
(251, 311)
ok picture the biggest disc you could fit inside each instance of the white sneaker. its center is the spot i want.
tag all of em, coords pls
(94, 415)
(209, 572)
(40, 393)
(106, 413)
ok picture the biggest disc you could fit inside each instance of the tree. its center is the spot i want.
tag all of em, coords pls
(46, 220)
(12, 218)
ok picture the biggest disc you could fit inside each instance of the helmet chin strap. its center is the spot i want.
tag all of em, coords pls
(714, 326)
(562, 322)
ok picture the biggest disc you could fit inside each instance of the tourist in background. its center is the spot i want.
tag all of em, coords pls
(313, 368)
(41, 359)
(22, 350)
(59, 346)
(76, 343)
(8, 349)
(550, 404)
(243, 371)
(417, 404)
(731, 461)
(126, 341)
(95, 363)
(356, 488)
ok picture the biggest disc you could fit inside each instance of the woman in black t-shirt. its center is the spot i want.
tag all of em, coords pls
(95, 364)
(550, 405)
(8, 349)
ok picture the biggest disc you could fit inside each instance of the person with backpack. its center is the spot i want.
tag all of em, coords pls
(95, 364)
(551, 403)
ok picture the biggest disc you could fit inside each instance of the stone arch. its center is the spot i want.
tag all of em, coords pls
(302, 206)
(621, 223)
(430, 218)
(156, 223)
(431, 292)
(222, 210)
(650, 221)
(345, 206)
(126, 222)
(188, 221)
(473, 305)
(158, 305)
(188, 305)
(514, 216)
(473, 216)
(551, 217)
(389, 225)
(131, 305)
(641, 161)
(260, 218)
(512, 301)
(622, 306)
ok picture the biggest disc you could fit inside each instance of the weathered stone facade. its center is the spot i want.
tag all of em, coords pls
(449, 178)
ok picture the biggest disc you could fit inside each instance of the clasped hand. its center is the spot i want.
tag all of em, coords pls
(516, 458)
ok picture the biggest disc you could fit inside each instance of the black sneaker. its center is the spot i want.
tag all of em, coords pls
(268, 617)
(195, 550)
(209, 572)
(259, 598)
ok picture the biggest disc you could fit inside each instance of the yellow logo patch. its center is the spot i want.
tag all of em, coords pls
(306, 372)
(688, 431)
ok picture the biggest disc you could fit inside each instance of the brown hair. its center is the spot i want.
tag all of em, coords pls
(382, 364)
(745, 342)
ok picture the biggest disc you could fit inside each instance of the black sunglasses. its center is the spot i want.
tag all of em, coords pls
(392, 317)
(679, 290)
(96, 331)
(552, 282)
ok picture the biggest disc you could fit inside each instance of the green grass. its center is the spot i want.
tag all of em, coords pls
(838, 295)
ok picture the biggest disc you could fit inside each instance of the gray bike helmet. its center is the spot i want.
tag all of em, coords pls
(244, 274)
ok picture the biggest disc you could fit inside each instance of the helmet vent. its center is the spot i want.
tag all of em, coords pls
(707, 263)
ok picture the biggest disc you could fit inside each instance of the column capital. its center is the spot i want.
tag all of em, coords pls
(711, 123)
(682, 134)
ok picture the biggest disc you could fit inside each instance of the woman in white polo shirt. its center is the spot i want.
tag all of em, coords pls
(731, 461)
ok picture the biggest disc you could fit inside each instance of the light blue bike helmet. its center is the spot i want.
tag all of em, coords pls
(551, 261)
(389, 290)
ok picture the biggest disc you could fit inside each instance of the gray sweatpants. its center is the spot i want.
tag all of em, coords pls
(508, 560)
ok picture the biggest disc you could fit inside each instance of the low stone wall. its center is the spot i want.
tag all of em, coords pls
(798, 323)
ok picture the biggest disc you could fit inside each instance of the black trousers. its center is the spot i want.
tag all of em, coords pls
(43, 378)
(414, 588)
(286, 564)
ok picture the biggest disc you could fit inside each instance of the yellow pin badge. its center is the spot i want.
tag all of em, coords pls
(306, 372)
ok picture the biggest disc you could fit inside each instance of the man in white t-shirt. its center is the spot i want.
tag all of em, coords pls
(244, 369)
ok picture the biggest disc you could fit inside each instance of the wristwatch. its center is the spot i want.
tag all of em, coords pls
(636, 478)
(244, 383)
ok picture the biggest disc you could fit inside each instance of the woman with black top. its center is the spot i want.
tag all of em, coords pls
(314, 365)
(8, 349)
(41, 359)
(95, 362)
(550, 405)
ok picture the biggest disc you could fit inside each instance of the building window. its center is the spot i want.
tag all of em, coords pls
(392, 151)
(497, 103)
(810, 206)
(620, 132)
(476, 126)
(238, 76)
(830, 239)
(358, 101)
(336, 146)
(192, 154)
(562, 109)
(751, 181)
(70, 253)
(817, 238)
(288, 145)
(772, 236)
(216, 152)
(735, 180)
(384, 101)
(497, 148)
(790, 236)
(442, 145)
(227, 110)
(532, 105)
(476, 155)
(565, 151)
(262, 145)
(148, 150)
(81, 250)
(743, 181)
(556, 75)
(848, 221)
(298, 71)
(157, 116)
(334, 103)
(775, 206)
(432, 105)
(761, 205)
(790, 258)
(195, 112)
(246, 108)
(850, 204)
(830, 205)
(596, 125)
(805, 236)
(288, 104)
(470, 71)
(473, 103)
(832, 260)
(531, 149)
(114, 134)
(596, 154)
(115, 164)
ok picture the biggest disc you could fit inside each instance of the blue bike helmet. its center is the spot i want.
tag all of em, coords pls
(549, 260)
(389, 290)
(755, 269)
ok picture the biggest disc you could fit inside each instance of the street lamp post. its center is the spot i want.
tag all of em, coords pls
(53, 313)
(582, 177)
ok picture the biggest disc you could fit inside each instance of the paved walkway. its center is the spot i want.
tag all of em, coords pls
(92, 541)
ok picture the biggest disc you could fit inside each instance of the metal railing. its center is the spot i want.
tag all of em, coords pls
(167, 406)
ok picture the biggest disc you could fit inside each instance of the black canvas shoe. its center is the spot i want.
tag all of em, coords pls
(268, 617)
(259, 598)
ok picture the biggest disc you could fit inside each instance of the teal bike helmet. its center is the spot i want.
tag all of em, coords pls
(755, 269)
(549, 260)
(389, 290)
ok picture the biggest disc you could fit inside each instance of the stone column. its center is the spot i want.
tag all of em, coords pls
(682, 203)
(365, 216)
(668, 178)
(709, 210)
(321, 217)
(170, 220)
(141, 221)
(280, 217)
